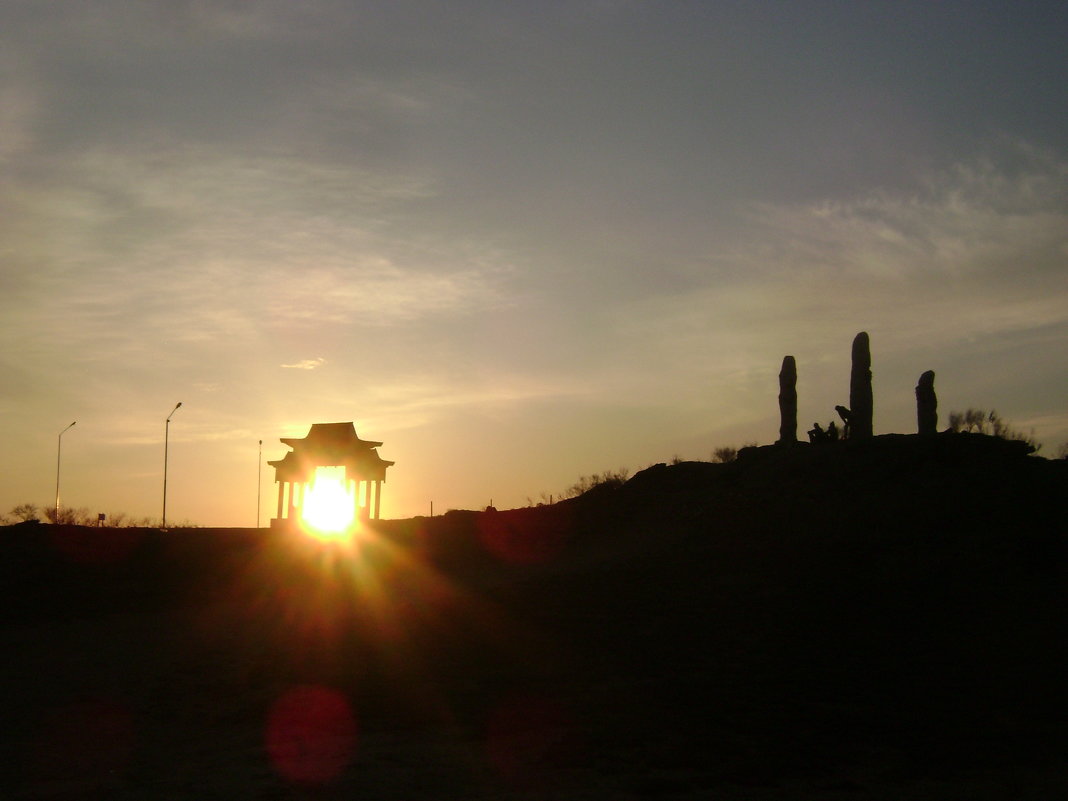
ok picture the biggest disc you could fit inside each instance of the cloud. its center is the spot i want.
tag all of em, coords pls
(19, 107)
(306, 364)
(978, 248)
(190, 247)
(974, 220)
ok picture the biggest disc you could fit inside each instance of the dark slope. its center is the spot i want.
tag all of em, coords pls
(878, 617)
(807, 608)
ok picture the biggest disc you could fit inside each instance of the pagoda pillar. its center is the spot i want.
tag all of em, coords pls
(281, 494)
(378, 499)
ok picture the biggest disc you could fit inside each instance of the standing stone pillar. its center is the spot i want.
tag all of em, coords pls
(788, 401)
(860, 394)
(926, 405)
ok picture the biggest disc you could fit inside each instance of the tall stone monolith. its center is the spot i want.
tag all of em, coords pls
(860, 396)
(926, 405)
(788, 401)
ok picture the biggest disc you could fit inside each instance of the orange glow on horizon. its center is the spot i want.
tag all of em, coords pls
(328, 506)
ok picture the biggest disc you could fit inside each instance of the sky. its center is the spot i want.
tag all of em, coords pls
(516, 242)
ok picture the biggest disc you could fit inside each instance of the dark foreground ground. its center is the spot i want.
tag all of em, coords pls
(874, 621)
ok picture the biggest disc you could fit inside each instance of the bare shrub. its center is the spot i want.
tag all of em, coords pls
(81, 516)
(68, 516)
(116, 519)
(724, 454)
(977, 421)
(24, 512)
(609, 478)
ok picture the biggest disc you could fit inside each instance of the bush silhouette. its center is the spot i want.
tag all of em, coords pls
(724, 454)
(608, 478)
(977, 421)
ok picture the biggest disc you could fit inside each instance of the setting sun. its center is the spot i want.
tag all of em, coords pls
(329, 506)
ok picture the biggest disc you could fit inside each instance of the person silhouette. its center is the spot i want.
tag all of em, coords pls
(846, 416)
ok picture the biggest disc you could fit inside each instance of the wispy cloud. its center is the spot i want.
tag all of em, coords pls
(974, 249)
(306, 364)
(967, 223)
(192, 247)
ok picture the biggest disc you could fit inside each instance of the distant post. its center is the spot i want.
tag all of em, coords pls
(860, 394)
(788, 401)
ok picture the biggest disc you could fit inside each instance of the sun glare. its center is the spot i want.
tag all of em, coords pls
(328, 508)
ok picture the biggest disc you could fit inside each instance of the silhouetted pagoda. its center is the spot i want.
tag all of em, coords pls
(329, 445)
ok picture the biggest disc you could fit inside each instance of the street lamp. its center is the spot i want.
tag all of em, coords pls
(259, 482)
(166, 442)
(59, 450)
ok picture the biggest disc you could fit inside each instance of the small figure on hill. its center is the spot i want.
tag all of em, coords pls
(846, 416)
(817, 434)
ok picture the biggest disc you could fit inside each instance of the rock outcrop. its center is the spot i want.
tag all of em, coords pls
(926, 405)
(788, 401)
(860, 393)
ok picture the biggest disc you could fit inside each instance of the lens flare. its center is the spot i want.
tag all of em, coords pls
(311, 734)
(328, 508)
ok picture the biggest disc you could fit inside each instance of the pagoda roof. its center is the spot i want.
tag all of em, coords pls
(330, 436)
(330, 444)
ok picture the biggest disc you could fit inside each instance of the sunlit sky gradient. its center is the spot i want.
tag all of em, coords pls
(518, 242)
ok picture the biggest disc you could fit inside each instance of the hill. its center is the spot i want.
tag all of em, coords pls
(873, 619)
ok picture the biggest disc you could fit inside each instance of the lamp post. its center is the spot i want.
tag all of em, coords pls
(166, 443)
(59, 450)
(259, 482)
